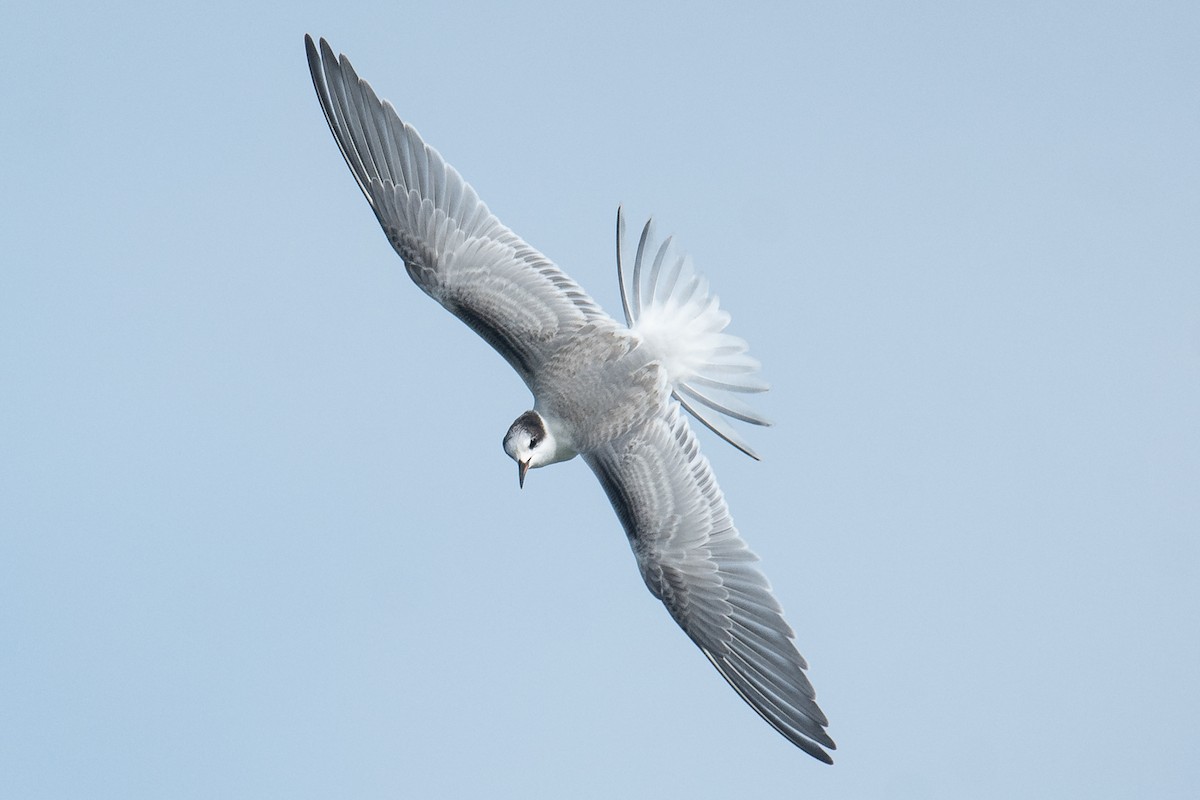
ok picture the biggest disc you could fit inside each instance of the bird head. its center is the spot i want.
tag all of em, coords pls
(529, 443)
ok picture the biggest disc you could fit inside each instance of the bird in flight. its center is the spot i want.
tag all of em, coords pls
(613, 394)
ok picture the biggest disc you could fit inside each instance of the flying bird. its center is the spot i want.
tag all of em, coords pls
(614, 394)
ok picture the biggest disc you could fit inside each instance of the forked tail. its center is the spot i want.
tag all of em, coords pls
(668, 304)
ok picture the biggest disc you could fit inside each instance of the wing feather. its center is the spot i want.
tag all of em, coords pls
(693, 559)
(453, 247)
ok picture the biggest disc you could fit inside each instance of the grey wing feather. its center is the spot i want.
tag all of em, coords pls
(453, 247)
(693, 559)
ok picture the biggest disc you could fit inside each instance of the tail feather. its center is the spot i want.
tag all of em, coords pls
(667, 302)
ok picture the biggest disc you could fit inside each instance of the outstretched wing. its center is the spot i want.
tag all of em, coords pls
(453, 247)
(693, 559)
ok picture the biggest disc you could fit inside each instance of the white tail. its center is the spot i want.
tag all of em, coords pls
(667, 303)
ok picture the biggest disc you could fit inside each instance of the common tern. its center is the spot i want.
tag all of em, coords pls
(611, 393)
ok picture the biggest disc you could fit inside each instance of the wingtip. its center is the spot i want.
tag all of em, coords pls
(316, 45)
(310, 50)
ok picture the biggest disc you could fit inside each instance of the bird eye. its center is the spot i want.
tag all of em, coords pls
(533, 442)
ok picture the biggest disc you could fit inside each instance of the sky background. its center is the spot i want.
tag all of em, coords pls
(258, 537)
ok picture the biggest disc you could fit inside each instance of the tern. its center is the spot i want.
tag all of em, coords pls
(612, 393)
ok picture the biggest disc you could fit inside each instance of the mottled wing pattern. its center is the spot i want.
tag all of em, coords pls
(693, 559)
(453, 247)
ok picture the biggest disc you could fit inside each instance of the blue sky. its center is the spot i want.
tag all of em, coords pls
(258, 537)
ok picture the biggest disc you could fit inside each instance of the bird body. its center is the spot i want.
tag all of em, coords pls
(598, 387)
(612, 393)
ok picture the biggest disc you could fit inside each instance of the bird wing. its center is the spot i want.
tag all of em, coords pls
(453, 247)
(693, 560)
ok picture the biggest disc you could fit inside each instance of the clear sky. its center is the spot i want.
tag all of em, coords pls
(258, 537)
